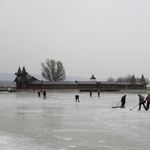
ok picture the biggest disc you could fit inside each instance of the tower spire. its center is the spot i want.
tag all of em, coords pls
(142, 78)
(24, 70)
(18, 72)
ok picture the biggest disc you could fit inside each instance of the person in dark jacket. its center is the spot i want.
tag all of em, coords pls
(44, 94)
(141, 101)
(123, 101)
(39, 95)
(77, 98)
(98, 92)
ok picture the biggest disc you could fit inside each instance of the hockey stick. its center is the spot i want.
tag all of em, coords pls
(134, 107)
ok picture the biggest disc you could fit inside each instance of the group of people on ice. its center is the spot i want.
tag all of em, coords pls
(42, 92)
(142, 101)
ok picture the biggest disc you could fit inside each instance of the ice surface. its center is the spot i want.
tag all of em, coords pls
(59, 123)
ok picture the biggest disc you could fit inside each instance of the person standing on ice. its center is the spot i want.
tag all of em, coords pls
(41, 92)
(98, 92)
(123, 101)
(90, 93)
(39, 95)
(141, 101)
(44, 94)
(148, 101)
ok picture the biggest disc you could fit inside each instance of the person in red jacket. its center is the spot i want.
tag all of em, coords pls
(90, 93)
(148, 101)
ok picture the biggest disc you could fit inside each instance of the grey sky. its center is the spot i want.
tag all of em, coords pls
(107, 38)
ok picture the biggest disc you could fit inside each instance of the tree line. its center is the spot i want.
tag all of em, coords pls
(128, 78)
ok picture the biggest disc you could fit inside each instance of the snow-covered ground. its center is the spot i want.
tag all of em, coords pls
(28, 122)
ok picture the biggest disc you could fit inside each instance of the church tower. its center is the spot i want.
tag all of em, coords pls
(21, 78)
(142, 78)
(18, 79)
(143, 81)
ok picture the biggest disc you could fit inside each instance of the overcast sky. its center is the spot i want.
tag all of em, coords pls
(107, 38)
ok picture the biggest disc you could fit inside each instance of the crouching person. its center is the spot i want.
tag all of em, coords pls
(77, 98)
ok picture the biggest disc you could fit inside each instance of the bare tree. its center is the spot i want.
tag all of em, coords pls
(147, 81)
(120, 79)
(128, 78)
(53, 71)
(110, 79)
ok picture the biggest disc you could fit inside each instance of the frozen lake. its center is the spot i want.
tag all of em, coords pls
(28, 122)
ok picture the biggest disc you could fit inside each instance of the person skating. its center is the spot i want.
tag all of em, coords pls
(123, 101)
(148, 101)
(141, 101)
